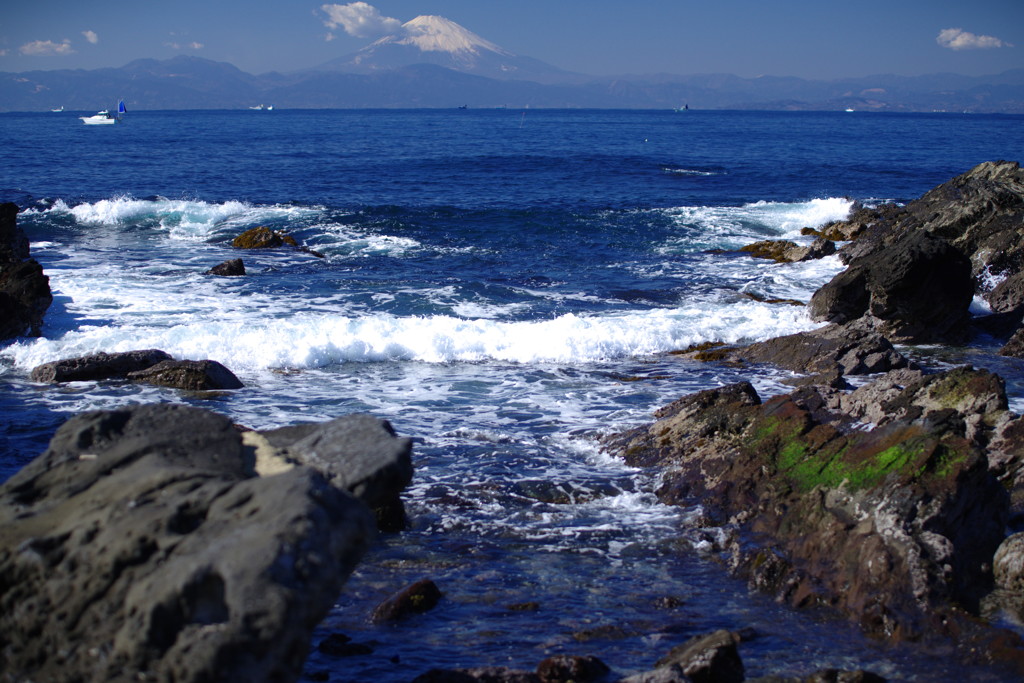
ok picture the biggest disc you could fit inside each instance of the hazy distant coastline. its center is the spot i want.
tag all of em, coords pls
(195, 83)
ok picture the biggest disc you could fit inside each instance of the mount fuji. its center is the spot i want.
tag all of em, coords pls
(435, 40)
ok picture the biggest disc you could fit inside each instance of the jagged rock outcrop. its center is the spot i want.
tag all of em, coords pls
(918, 290)
(25, 292)
(145, 545)
(825, 354)
(907, 263)
(893, 523)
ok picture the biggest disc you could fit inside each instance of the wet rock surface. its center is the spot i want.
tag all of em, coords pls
(151, 366)
(144, 544)
(230, 268)
(25, 292)
(98, 366)
(191, 375)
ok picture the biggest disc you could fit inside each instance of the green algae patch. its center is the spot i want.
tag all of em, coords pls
(820, 456)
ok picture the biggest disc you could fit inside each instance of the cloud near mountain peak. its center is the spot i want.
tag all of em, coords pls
(359, 19)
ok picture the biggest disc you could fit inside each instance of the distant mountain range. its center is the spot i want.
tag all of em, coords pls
(433, 62)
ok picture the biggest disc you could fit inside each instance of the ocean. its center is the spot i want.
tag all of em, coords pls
(503, 286)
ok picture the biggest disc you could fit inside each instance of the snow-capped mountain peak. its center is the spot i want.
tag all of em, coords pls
(432, 33)
(435, 40)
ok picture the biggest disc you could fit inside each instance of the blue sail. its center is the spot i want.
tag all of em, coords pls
(120, 107)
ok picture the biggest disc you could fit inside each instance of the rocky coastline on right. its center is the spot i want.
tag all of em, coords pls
(881, 487)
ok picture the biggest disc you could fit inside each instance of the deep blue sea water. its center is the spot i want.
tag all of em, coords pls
(502, 285)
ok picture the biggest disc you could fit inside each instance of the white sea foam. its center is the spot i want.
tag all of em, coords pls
(729, 227)
(311, 340)
(187, 219)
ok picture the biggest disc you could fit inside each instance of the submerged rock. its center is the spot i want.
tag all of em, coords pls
(263, 237)
(418, 598)
(143, 545)
(25, 292)
(231, 268)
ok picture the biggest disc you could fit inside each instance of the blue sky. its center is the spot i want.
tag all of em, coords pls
(804, 38)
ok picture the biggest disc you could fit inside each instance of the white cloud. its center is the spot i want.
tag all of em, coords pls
(91, 36)
(185, 46)
(359, 19)
(959, 39)
(46, 48)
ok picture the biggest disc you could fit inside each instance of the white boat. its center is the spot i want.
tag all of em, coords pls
(104, 118)
(263, 107)
(58, 110)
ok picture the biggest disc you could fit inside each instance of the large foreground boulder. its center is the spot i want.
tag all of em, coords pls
(145, 545)
(24, 290)
(894, 522)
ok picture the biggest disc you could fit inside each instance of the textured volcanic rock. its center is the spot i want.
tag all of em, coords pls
(144, 544)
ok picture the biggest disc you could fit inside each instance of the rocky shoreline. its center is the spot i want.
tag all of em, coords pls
(892, 501)
(162, 542)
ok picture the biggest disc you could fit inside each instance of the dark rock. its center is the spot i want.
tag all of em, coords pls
(141, 545)
(892, 523)
(571, 669)
(98, 366)
(917, 290)
(24, 290)
(191, 375)
(850, 349)
(418, 598)
(484, 674)
(711, 658)
(14, 244)
(824, 676)
(665, 674)
(230, 268)
(263, 238)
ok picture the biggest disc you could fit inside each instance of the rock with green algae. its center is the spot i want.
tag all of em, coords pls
(893, 523)
(263, 237)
